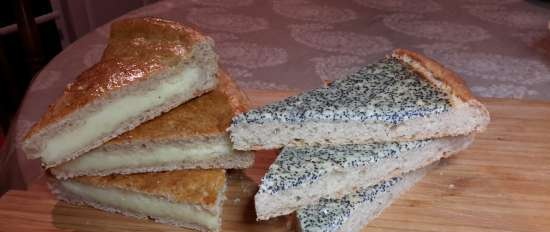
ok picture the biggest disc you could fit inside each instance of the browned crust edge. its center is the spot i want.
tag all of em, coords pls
(237, 98)
(451, 81)
(140, 23)
(449, 78)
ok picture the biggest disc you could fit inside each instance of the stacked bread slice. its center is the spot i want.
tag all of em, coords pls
(143, 132)
(351, 147)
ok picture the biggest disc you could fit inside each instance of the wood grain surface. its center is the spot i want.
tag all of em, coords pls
(501, 183)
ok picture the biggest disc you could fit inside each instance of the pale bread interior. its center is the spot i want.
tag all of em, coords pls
(345, 181)
(141, 205)
(465, 116)
(216, 152)
(106, 118)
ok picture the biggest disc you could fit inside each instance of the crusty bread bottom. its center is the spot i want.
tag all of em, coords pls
(465, 118)
(237, 160)
(66, 196)
(337, 183)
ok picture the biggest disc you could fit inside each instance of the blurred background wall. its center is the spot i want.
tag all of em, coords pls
(33, 31)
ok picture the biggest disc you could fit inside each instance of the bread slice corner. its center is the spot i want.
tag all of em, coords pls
(446, 80)
(353, 211)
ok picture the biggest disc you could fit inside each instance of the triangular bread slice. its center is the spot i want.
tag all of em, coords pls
(192, 135)
(355, 210)
(300, 176)
(185, 198)
(149, 67)
(401, 98)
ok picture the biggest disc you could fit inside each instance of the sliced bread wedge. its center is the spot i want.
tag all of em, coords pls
(404, 97)
(149, 67)
(300, 176)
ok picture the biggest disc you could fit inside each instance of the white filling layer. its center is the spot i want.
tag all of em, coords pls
(108, 118)
(141, 204)
(101, 160)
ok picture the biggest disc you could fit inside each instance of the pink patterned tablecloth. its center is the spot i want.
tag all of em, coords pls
(501, 47)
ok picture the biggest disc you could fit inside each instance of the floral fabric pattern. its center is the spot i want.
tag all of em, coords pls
(299, 44)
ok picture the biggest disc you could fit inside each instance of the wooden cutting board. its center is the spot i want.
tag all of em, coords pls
(501, 183)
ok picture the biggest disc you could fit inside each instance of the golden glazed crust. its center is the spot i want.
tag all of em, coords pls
(205, 116)
(238, 100)
(455, 83)
(183, 186)
(137, 49)
(149, 37)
